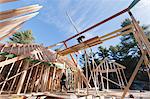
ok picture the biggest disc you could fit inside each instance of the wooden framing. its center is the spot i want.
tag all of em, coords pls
(132, 77)
(96, 40)
(10, 33)
(107, 67)
(144, 46)
(19, 11)
(17, 20)
(5, 1)
(37, 52)
(20, 84)
(12, 19)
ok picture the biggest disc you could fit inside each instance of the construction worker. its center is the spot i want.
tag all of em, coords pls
(80, 39)
(63, 81)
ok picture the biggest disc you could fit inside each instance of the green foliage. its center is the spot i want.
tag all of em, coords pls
(22, 37)
(102, 52)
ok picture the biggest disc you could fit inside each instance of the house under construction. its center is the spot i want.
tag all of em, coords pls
(33, 70)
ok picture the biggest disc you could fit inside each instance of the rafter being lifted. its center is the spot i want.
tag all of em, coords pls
(97, 40)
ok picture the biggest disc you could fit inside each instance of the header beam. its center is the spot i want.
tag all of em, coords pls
(133, 4)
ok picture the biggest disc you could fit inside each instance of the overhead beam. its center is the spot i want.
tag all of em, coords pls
(133, 4)
(97, 40)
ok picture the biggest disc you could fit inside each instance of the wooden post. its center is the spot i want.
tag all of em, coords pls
(22, 78)
(132, 77)
(122, 83)
(124, 76)
(42, 66)
(107, 75)
(86, 67)
(54, 73)
(34, 78)
(29, 76)
(81, 73)
(102, 81)
(12, 85)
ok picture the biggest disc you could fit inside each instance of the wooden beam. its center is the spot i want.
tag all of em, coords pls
(29, 77)
(132, 76)
(18, 19)
(20, 11)
(20, 72)
(13, 31)
(112, 81)
(117, 31)
(40, 78)
(5, 1)
(96, 40)
(12, 84)
(22, 78)
(9, 61)
(34, 79)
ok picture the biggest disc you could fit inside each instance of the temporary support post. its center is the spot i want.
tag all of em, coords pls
(89, 65)
(39, 84)
(21, 81)
(81, 73)
(26, 86)
(107, 75)
(141, 34)
(142, 40)
(102, 80)
(124, 76)
(52, 83)
(133, 76)
(12, 85)
(34, 78)
(86, 68)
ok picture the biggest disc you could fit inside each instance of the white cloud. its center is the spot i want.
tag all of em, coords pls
(141, 11)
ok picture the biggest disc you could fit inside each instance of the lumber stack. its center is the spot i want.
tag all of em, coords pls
(5, 1)
(11, 20)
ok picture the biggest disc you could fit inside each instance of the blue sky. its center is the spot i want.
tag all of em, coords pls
(52, 25)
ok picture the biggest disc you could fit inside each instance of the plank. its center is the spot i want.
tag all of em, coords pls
(13, 31)
(19, 11)
(21, 81)
(5, 1)
(80, 46)
(133, 76)
(18, 19)
(96, 40)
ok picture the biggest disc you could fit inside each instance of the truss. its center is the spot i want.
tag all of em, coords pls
(108, 68)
